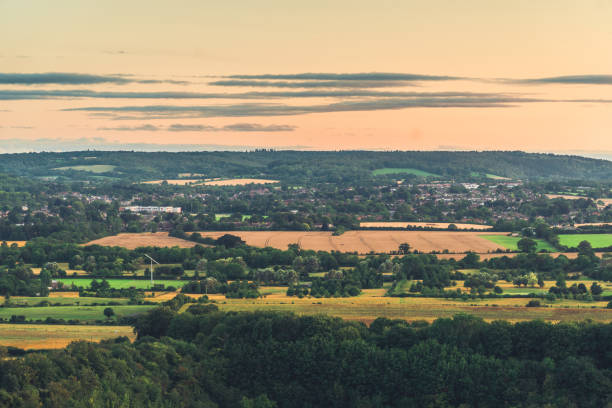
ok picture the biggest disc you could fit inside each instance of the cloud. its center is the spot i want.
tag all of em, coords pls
(66, 78)
(568, 79)
(27, 94)
(268, 109)
(254, 127)
(147, 128)
(310, 84)
(177, 127)
(367, 76)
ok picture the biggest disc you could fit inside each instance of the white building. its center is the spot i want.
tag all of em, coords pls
(151, 209)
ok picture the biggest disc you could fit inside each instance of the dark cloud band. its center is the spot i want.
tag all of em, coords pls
(177, 127)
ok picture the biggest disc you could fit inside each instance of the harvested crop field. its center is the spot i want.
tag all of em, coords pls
(367, 241)
(367, 308)
(18, 243)
(601, 202)
(46, 336)
(569, 255)
(438, 225)
(143, 239)
(238, 182)
(177, 182)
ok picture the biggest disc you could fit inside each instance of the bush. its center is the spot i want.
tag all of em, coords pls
(533, 303)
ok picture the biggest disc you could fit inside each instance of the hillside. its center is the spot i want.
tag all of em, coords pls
(296, 166)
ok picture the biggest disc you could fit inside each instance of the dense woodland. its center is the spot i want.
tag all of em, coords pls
(215, 359)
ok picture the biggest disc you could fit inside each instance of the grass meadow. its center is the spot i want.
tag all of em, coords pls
(596, 240)
(509, 242)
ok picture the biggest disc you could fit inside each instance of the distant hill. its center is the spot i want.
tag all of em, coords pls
(296, 166)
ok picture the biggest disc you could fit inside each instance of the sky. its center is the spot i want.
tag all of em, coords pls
(384, 75)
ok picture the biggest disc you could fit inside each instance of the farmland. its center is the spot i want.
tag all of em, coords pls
(596, 240)
(81, 313)
(510, 242)
(92, 168)
(72, 299)
(36, 336)
(601, 202)
(238, 182)
(135, 240)
(18, 243)
(174, 182)
(123, 283)
(393, 170)
(368, 241)
(367, 308)
(437, 225)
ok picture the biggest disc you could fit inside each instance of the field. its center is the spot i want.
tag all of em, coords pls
(402, 224)
(124, 283)
(367, 241)
(494, 177)
(143, 239)
(19, 243)
(92, 168)
(82, 313)
(510, 242)
(601, 202)
(238, 182)
(38, 336)
(569, 255)
(372, 304)
(593, 224)
(596, 240)
(393, 170)
(178, 182)
(72, 299)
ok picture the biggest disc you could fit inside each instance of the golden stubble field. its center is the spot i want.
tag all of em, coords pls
(372, 304)
(213, 182)
(364, 242)
(41, 336)
(238, 182)
(135, 240)
(439, 225)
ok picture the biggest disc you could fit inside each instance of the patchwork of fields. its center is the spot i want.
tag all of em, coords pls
(509, 242)
(366, 308)
(364, 242)
(40, 336)
(143, 239)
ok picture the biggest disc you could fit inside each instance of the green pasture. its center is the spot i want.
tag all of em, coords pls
(123, 283)
(394, 170)
(74, 301)
(596, 240)
(92, 168)
(82, 313)
(509, 242)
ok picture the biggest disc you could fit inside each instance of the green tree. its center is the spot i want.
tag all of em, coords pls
(109, 312)
(527, 245)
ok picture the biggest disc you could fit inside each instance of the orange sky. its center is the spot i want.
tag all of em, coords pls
(130, 50)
